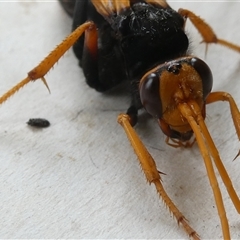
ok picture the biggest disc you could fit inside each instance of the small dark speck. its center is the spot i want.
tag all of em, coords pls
(38, 122)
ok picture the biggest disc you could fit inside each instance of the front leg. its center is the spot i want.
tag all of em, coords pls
(152, 174)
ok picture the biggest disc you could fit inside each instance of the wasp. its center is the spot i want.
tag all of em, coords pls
(145, 44)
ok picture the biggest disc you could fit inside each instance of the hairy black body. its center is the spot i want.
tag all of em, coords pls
(129, 43)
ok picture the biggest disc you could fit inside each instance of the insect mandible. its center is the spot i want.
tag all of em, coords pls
(171, 149)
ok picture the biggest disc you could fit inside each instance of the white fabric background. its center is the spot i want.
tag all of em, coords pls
(79, 178)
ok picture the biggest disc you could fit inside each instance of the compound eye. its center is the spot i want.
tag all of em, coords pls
(205, 73)
(150, 95)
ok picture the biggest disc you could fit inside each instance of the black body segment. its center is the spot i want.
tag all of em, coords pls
(129, 43)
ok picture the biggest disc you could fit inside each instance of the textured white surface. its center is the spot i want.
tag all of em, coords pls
(79, 178)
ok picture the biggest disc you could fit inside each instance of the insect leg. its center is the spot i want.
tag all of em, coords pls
(42, 69)
(149, 167)
(206, 31)
(196, 121)
(223, 96)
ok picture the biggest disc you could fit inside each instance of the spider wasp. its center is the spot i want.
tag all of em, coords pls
(179, 66)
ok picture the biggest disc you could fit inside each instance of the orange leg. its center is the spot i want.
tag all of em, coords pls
(193, 114)
(152, 174)
(42, 69)
(223, 96)
(206, 31)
